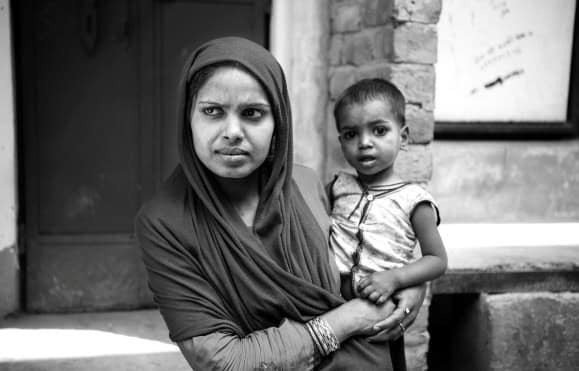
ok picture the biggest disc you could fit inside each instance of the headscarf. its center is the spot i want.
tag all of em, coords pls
(210, 272)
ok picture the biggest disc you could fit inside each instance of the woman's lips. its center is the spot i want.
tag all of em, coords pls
(232, 152)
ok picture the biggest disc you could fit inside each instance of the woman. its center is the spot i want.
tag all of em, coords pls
(236, 247)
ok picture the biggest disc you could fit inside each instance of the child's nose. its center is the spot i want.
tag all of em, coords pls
(365, 141)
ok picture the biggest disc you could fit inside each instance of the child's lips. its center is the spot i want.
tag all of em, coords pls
(366, 159)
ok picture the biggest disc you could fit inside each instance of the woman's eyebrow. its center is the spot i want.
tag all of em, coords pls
(255, 104)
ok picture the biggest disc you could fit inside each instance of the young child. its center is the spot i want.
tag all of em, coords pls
(378, 219)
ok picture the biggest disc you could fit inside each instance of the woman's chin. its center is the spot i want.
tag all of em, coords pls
(239, 173)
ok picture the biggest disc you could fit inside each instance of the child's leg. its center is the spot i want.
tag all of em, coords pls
(397, 354)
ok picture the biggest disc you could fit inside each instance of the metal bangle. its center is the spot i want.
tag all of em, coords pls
(315, 339)
(326, 335)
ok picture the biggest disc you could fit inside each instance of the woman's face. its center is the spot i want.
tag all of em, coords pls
(231, 123)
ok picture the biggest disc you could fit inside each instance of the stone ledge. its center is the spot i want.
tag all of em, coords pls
(496, 258)
(503, 282)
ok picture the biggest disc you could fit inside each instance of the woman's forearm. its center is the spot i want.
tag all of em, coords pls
(287, 347)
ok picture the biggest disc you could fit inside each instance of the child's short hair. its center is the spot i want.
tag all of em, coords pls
(370, 89)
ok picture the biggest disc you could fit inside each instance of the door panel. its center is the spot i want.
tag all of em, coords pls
(79, 107)
(96, 82)
(182, 30)
(86, 124)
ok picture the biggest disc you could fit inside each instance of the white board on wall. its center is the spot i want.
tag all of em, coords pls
(504, 60)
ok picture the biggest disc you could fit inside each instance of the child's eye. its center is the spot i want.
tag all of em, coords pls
(211, 111)
(380, 130)
(348, 135)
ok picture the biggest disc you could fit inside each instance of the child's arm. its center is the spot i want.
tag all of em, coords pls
(379, 286)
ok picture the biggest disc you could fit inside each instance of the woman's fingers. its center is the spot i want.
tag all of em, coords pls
(408, 303)
(378, 338)
(409, 309)
(392, 323)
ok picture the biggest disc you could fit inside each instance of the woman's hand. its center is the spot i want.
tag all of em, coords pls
(357, 317)
(408, 302)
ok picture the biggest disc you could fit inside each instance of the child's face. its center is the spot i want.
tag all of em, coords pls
(371, 139)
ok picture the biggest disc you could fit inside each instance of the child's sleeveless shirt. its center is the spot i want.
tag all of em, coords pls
(374, 221)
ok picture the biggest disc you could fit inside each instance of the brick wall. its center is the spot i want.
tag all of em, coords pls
(395, 40)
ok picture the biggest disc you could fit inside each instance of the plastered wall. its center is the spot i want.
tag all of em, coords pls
(9, 276)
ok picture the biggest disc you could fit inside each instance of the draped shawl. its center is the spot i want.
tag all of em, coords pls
(208, 271)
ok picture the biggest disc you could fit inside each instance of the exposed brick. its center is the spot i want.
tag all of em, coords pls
(340, 78)
(383, 42)
(421, 124)
(415, 43)
(335, 160)
(415, 164)
(424, 11)
(346, 16)
(374, 70)
(336, 49)
(333, 132)
(364, 47)
(358, 47)
(416, 82)
(377, 12)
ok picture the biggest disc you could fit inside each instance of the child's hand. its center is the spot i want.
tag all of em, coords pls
(379, 286)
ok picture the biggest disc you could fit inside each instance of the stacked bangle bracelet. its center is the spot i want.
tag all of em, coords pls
(324, 338)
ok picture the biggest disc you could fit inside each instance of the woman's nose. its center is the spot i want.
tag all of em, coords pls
(233, 130)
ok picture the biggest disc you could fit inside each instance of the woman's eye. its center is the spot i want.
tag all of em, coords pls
(380, 130)
(252, 113)
(211, 111)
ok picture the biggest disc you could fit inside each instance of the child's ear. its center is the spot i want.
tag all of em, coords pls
(404, 137)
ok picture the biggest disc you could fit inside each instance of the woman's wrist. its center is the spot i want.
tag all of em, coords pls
(323, 336)
(344, 320)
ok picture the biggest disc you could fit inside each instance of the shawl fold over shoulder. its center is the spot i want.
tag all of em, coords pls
(207, 270)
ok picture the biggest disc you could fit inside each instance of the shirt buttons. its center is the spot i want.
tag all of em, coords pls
(362, 227)
(370, 197)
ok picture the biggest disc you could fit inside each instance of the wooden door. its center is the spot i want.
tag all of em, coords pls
(183, 26)
(96, 82)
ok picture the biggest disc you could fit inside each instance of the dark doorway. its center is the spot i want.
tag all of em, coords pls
(96, 83)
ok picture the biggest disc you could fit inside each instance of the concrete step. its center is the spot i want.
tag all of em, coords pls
(131, 340)
(515, 257)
